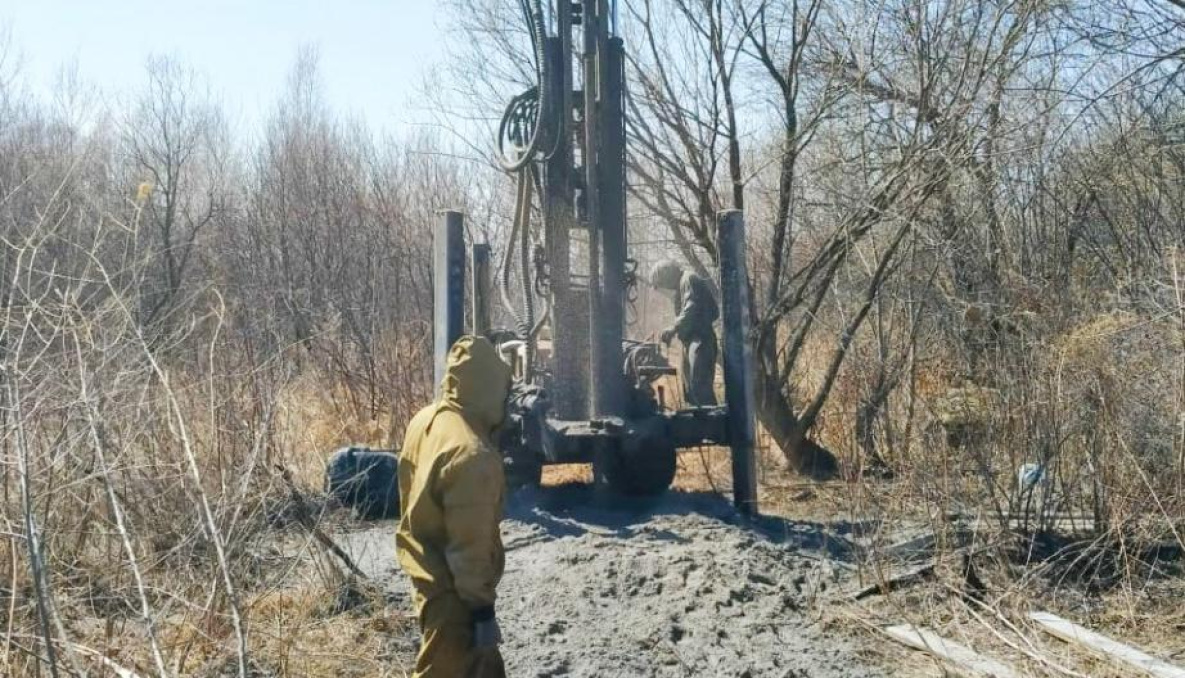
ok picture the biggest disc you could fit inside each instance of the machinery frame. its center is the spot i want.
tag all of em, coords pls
(592, 400)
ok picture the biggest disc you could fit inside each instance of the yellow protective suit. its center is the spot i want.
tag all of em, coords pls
(451, 486)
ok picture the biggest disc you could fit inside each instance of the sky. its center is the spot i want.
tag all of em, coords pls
(374, 54)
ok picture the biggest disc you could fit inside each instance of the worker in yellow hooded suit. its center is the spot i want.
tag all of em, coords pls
(451, 488)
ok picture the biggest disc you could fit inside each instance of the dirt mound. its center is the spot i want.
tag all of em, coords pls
(674, 588)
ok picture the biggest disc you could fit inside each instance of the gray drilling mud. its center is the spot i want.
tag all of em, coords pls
(680, 587)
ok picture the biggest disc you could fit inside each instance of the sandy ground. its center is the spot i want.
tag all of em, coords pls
(676, 587)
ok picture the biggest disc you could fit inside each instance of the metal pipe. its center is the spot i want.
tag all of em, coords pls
(448, 282)
(569, 316)
(610, 325)
(479, 291)
(738, 358)
(591, 23)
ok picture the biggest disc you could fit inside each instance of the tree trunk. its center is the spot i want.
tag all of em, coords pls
(776, 414)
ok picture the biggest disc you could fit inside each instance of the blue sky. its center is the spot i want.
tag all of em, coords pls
(374, 53)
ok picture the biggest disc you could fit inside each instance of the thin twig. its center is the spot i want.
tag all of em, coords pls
(305, 518)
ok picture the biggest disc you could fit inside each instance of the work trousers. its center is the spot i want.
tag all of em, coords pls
(446, 641)
(699, 369)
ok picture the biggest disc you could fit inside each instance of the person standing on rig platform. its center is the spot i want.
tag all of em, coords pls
(698, 310)
(451, 487)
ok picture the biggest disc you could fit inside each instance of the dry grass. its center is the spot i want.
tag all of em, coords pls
(1100, 406)
(1098, 402)
(296, 632)
(566, 474)
(291, 631)
(313, 420)
(143, 471)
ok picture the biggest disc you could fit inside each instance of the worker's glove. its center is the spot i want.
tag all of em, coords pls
(667, 335)
(487, 663)
(486, 633)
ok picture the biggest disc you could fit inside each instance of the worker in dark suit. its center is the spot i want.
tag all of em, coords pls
(697, 311)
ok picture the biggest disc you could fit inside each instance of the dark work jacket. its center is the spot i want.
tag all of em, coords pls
(697, 309)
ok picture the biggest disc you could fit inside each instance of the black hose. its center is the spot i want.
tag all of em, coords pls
(526, 326)
(504, 277)
(524, 275)
(527, 123)
(525, 7)
(519, 107)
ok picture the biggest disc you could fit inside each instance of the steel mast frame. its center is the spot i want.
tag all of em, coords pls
(584, 187)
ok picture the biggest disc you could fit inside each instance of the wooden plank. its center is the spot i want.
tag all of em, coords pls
(1112, 649)
(963, 659)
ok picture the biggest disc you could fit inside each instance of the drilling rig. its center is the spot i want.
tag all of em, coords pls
(583, 392)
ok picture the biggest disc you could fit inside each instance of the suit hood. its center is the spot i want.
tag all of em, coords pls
(666, 275)
(476, 384)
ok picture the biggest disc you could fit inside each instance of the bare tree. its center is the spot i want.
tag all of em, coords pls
(174, 142)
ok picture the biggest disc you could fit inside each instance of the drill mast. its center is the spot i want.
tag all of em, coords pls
(593, 400)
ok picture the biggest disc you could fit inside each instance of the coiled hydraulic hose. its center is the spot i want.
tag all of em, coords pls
(529, 108)
(528, 125)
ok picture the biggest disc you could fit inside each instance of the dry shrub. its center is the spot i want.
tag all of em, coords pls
(314, 418)
(296, 632)
(1094, 396)
(1119, 393)
(144, 460)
